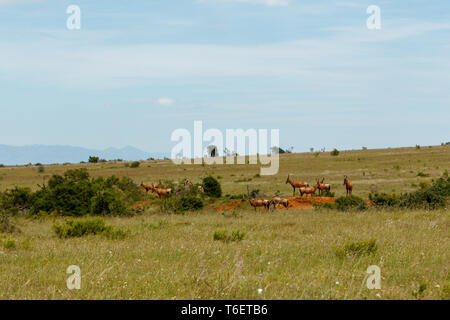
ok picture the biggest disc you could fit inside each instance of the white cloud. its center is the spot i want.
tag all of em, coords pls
(346, 54)
(164, 101)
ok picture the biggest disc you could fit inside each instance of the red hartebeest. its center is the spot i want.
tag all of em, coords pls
(309, 190)
(296, 184)
(348, 185)
(324, 186)
(258, 202)
(147, 187)
(162, 192)
(278, 200)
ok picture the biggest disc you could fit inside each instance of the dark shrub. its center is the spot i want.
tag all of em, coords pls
(93, 159)
(78, 228)
(181, 204)
(135, 164)
(74, 194)
(107, 202)
(335, 152)
(348, 203)
(190, 203)
(428, 197)
(384, 199)
(19, 198)
(212, 187)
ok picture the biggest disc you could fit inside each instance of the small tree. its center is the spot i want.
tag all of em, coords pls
(212, 187)
(212, 151)
(335, 152)
(278, 150)
(93, 159)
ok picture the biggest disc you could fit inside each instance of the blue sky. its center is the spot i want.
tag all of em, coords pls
(138, 70)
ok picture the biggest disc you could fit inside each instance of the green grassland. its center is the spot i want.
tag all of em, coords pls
(289, 254)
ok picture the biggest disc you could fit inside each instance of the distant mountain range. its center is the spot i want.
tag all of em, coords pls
(12, 155)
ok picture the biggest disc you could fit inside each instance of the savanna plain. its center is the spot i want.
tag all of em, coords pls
(293, 253)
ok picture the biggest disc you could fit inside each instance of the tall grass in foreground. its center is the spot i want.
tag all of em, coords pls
(289, 255)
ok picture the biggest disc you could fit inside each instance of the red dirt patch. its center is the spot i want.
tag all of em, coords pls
(307, 202)
(294, 203)
(229, 206)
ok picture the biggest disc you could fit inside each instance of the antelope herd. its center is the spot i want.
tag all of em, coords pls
(304, 189)
(154, 187)
(303, 186)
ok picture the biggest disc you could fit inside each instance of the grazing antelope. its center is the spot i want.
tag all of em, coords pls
(278, 200)
(323, 186)
(147, 187)
(348, 185)
(296, 184)
(258, 202)
(162, 192)
(309, 190)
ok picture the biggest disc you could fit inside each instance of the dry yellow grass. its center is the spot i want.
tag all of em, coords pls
(288, 254)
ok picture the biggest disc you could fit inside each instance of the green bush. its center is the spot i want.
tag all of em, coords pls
(237, 235)
(181, 204)
(359, 248)
(20, 198)
(107, 202)
(212, 187)
(74, 194)
(190, 203)
(93, 226)
(222, 235)
(428, 197)
(93, 159)
(347, 203)
(384, 200)
(135, 164)
(335, 152)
